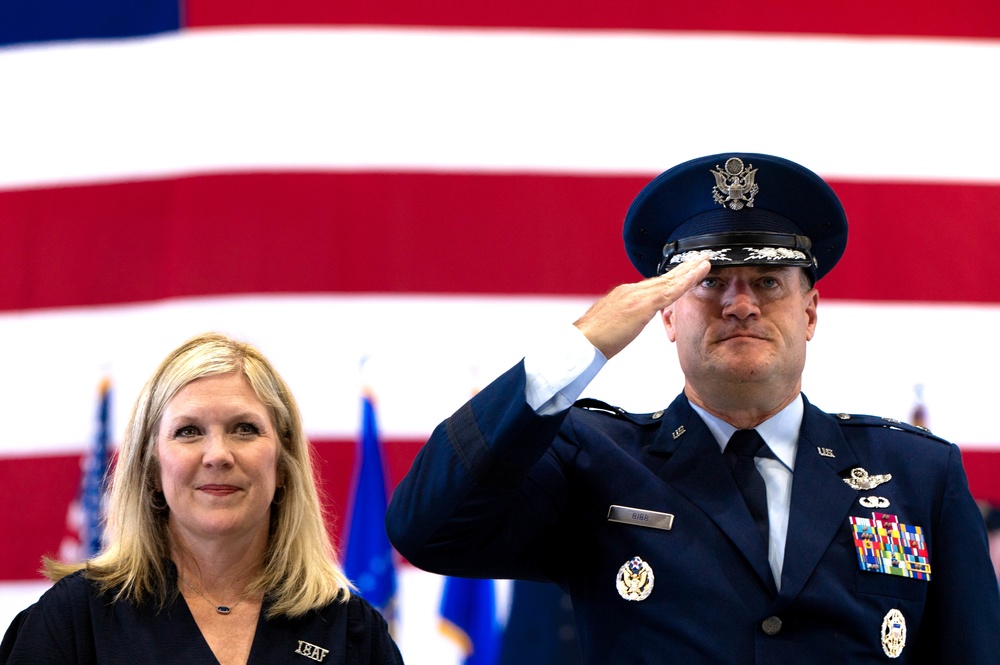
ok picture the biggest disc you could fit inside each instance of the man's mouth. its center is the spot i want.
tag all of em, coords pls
(743, 334)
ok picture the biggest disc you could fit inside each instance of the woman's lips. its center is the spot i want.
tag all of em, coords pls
(219, 490)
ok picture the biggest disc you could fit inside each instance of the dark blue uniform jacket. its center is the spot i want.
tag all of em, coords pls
(501, 492)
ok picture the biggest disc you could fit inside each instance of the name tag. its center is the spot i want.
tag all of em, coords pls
(639, 517)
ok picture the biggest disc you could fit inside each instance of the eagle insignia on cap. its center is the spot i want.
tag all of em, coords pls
(735, 186)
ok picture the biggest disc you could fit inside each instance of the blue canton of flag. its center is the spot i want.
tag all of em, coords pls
(368, 562)
(50, 20)
(85, 519)
(468, 616)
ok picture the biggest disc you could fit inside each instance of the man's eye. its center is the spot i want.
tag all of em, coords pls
(769, 282)
(710, 282)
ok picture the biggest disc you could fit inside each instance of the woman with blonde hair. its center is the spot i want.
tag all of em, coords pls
(216, 547)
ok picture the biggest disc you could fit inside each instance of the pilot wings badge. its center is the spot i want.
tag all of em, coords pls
(635, 580)
(861, 480)
(735, 186)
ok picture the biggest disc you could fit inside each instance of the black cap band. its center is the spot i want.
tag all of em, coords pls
(741, 248)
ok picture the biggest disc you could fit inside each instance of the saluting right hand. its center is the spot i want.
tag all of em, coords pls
(616, 319)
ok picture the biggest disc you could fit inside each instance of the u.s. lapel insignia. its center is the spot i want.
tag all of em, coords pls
(825, 452)
(874, 502)
(893, 633)
(635, 580)
(861, 480)
(678, 432)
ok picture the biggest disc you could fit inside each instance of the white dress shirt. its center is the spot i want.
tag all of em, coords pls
(781, 434)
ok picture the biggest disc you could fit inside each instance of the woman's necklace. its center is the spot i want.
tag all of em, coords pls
(221, 609)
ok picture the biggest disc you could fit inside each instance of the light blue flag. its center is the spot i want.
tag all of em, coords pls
(469, 616)
(368, 562)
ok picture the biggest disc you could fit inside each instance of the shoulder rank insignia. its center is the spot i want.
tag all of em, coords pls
(860, 420)
(596, 405)
(861, 480)
(635, 580)
(886, 546)
(893, 633)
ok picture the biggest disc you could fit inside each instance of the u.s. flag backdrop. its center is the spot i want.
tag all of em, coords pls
(432, 184)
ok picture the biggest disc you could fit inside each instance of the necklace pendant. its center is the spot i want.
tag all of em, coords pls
(223, 609)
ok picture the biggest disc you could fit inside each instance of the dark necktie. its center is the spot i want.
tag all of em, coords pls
(740, 451)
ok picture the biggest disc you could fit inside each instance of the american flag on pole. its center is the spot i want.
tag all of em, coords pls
(433, 183)
(85, 517)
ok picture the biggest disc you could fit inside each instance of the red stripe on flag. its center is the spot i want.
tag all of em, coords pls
(983, 469)
(42, 489)
(432, 233)
(972, 18)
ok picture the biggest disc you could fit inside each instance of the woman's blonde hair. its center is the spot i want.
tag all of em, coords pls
(300, 570)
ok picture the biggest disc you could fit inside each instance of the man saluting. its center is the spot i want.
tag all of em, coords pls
(742, 524)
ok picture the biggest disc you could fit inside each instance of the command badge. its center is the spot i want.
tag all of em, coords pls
(635, 580)
(893, 633)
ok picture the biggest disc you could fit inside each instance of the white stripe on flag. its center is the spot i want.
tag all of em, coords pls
(482, 100)
(426, 355)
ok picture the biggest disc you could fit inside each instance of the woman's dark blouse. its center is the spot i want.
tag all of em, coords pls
(73, 623)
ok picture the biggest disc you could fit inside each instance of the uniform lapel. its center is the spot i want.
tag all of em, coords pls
(687, 457)
(821, 499)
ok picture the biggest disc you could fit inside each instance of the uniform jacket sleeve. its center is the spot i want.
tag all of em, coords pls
(487, 480)
(963, 604)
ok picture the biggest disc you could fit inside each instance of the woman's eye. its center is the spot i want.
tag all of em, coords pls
(186, 432)
(247, 429)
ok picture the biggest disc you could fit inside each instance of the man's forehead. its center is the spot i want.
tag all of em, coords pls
(754, 270)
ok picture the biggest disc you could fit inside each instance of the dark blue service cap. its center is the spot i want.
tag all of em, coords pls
(736, 209)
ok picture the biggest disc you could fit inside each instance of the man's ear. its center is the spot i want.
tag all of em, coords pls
(811, 302)
(667, 316)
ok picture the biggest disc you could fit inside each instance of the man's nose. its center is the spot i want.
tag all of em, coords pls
(740, 301)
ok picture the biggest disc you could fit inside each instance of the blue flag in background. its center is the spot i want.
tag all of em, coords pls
(468, 615)
(85, 518)
(368, 562)
(94, 485)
